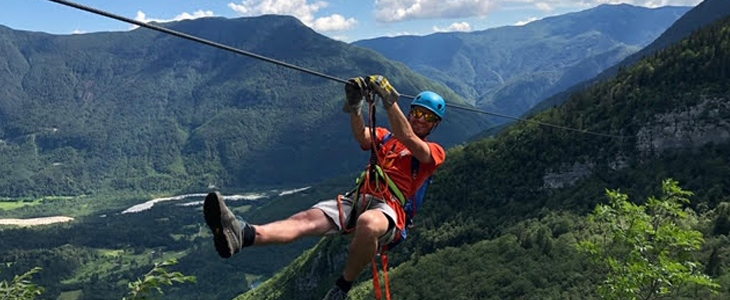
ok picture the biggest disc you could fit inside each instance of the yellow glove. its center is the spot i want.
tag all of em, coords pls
(382, 87)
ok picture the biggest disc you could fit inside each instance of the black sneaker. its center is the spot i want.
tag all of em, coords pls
(227, 233)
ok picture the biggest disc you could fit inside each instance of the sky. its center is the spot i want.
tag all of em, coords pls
(346, 20)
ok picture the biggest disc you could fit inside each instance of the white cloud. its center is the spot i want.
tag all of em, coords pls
(301, 9)
(647, 3)
(334, 22)
(298, 8)
(195, 15)
(142, 17)
(342, 38)
(543, 6)
(456, 26)
(404, 10)
(521, 23)
(392, 34)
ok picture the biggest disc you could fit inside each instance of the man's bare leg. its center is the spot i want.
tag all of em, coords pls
(311, 222)
(371, 225)
(231, 234)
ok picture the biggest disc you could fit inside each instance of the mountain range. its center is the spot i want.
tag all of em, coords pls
(510, 69)
(704, 13)
(146, 111)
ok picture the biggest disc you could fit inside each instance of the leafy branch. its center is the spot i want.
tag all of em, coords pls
(646, 250)
(21, 287)
(154, 280)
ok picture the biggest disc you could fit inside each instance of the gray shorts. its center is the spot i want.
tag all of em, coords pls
(330, 209)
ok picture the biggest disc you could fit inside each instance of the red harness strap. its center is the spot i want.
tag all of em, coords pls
(376, 277)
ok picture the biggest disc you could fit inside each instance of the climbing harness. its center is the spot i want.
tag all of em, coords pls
(373, 180)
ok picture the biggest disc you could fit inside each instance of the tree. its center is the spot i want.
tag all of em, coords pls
(21, 287)
(646, 250)
(155, 279)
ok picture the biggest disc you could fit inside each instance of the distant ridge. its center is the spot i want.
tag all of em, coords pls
(703, 14)
(510, 69)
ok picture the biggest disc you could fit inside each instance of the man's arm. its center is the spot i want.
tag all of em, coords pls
(401, 127)
(355, 94)
(404, 133)
(360, 131)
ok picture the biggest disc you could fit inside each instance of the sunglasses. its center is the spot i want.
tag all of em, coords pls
(427, 115)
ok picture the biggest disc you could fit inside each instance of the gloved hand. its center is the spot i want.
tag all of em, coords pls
(382, 87)
(355, 91)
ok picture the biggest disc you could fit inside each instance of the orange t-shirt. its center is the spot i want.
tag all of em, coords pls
(396, 160)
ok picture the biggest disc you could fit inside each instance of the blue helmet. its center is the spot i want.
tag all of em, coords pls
(432, 102)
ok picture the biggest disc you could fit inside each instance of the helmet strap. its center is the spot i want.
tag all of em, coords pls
(432, 128)
(436, 124)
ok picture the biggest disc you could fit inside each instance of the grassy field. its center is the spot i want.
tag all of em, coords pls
(72, 206)
(10, 203)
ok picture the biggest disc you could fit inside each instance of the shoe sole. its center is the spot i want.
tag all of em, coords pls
(212, 210)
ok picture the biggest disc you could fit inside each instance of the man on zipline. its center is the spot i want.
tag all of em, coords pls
(406, 159)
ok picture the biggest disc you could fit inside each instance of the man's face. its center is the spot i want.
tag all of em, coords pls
(422, 121)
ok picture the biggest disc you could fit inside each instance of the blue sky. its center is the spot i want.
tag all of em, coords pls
(347, 20)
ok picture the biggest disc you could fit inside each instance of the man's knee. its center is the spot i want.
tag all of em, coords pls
(372, 222)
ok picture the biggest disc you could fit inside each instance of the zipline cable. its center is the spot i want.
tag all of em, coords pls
(298, 68)
(536, 122)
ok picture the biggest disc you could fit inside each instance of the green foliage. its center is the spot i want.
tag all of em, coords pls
(21, 287)
(722, 219)
(154, 280)
(647, 250)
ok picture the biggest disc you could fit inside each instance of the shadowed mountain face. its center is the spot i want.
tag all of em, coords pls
(509, 69)
(704, 13)
(142, 110)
